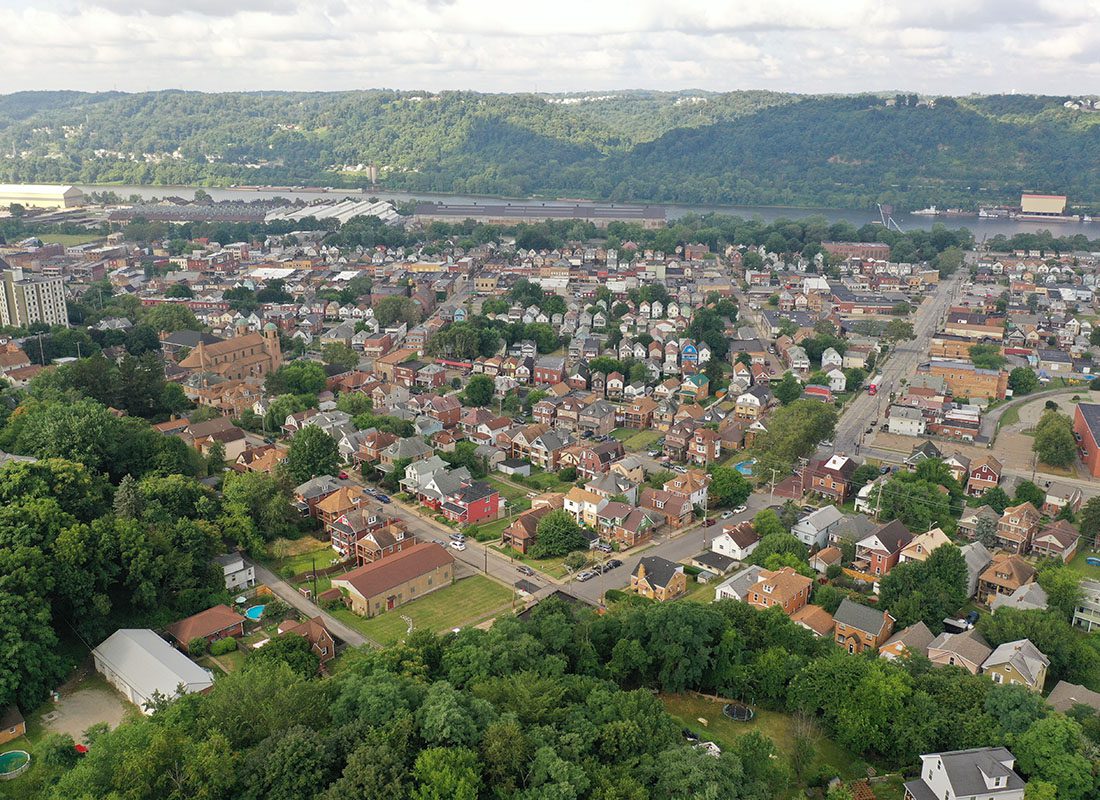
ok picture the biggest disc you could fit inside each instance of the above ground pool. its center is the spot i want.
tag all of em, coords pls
(1092, 561)
(254, 612)
(13, 762)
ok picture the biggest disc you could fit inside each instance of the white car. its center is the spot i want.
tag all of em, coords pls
(727, 514)
(458, 545)
(586, 575)
(740, 509)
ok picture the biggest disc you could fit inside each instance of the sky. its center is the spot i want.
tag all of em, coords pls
(933, 46)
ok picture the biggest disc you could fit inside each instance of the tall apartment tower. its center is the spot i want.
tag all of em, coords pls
(26, 300)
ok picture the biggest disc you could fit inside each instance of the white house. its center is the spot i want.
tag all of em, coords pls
(737, 586)
(141, 665)
(237, 574)
(831, 359)
(736, 541)
(838, 381)
(906, 421)
(813, 529)
(985, 772)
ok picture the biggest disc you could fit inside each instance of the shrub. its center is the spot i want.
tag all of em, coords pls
(197, 646)
(833, 572)
(576, 559)
(223, 646)
(568, 475)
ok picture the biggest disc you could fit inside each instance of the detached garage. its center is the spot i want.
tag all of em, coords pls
(140, 664)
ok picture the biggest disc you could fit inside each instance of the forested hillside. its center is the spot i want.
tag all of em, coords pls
(740, 147)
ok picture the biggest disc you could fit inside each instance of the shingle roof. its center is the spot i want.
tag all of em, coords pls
(1022, 655)
(970, 645)
(205, 623)
(915, 638)
(379, 576)
(658, 571)
(1066, 695)
(861, 617)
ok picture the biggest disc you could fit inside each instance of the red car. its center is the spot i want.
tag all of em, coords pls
(343, 476)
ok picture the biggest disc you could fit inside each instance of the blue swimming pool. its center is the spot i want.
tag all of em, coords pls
(1092, 561)
(745, 467)
(254, 612)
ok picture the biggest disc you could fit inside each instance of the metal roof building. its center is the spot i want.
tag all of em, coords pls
(31, 195)
(140, 665)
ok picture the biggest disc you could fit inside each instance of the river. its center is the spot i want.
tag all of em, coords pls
(981, 227)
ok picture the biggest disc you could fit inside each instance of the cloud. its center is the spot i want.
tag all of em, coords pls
(936, 46)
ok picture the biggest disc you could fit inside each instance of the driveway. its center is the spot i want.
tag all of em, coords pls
(81, 707)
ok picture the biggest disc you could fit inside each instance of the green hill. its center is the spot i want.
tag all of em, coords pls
(691, 147)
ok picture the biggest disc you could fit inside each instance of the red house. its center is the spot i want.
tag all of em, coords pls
(448, 410)
(879, 553)
(550, 370)
(213, 624)
(473, 503)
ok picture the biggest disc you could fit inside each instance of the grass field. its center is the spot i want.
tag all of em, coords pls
(1082, 567)
(549, 566)
(496, 527)
(777, 726)
(467, 602)
(298, 554)
(1010, 417)
(515, 495)
(547, 482)
(69, 239)
(634, 439)
(700, 592)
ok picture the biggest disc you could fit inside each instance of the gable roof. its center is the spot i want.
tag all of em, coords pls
(893, 535)
(861, 617)
(915, 638)
(380, 576)
(149, 664)
(205, 623)
(970, 646)
(1022, 655)
(1066, 695)
(658, 571)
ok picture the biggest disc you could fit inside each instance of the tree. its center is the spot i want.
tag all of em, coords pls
(766, 523)
(928, 590)
(1022, 380)
(479, 391)
(778, 544)
(557, 534)
(1054, 442)
(179, 291)
(129, 503)
(1090, 520)
(898, 330)
(1063, 589)
(728, 487)
(919, 503)
(297, 377)
(264, 499)
(446, 773)
(996, 498)
(986, 356)
(986, 531)
(291, 649)
(171, 317)
(339, 355)
(788, 389)
(215, 458)
(793, 432)
(1028, 492)
(312, 452)
(1052, 750)
(395, 310)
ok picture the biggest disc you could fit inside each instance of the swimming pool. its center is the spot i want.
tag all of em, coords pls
(13, 763)
(745, 467)
(254, 612)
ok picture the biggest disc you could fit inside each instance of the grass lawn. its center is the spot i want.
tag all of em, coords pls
(515, 495)
(777, 726)
(547, 482)
(699, 593)
(70, 239)
(634, 439)
(298, 554)
(496, 527)
(554, 567)
(467, 602)
(1081, 566)
(1010, 417)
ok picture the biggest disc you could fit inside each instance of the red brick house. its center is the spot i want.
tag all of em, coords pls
(880, 552)
(705, 446)
(476, 502)
(831, 477)
(448, 410)
(857, 627)
(549, 370)
(1017, 526)
(639, 413)
(371, 447)
(314, 631)
(521, 534)
(782, 587)
(677, 511)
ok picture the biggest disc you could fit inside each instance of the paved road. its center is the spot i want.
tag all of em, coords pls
(289, 595)
(990, 420)
(901, 363)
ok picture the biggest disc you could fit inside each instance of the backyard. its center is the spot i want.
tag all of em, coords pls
(1081, 565)
(294, 556)
(515, 495)
(467, 602)
(636, 440)
(780, 727)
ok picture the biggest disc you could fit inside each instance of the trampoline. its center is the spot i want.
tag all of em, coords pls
(738, 712)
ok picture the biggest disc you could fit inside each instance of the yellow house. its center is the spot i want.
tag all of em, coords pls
(1019, 663)
(658, 579)
(584, 506)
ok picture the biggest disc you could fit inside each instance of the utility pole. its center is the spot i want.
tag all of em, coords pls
(774, 470)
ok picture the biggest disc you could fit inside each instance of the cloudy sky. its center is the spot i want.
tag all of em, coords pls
(935, 46)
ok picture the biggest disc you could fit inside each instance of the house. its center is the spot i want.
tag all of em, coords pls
(825, 558)
(12, 724)
(878, 553)
(1062, 698)
(737, 541)
(321, 642)
(1017, 526)
(142, 666)
(1087, 613)
(859, 627)
(912, 640)
(658, 578)
(692, 485)
(814, 529)
(739, 585)
(984, 473)
(1017, 663)
(1006, 574)
(521, 533)
(343, 501)
(584, 505)
(1060, 496)
(370, 541)
(831, 477)
(838, 381)
(307, 495)
(1030, 596)
(676, 510)
(473, 503)
(967, 650)
(212, 624)
(783, 587)
(1058, 540)
(922, 545)
(922, 451)
(814, 619)
(611, 484)
(411, 448)
(639, 413)
(383, 585)
(753, 402)
(705, 446)
(971, 517)
(236, 573)
(905, 421)
(981, 772)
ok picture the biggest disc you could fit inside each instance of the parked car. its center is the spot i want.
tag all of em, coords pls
(653, 453)
(612, 563)
(523, 569)
(603, 547)
(883, 470)
(708, 522)
(458, 545)
(825, 443)
(727, 514)
(679, 468)
(740, 509)
(458, 537)
(808, 509)
(585, 576)
(343, 475)
(972, 618)
(381, 498)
